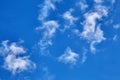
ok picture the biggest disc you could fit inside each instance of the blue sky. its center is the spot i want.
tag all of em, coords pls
(59, 40)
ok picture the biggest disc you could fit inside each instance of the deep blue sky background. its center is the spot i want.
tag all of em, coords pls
(18, 20)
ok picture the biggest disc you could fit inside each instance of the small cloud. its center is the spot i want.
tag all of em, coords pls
(84, 56)
(82, 4)
(13, 62)
(113, 1)
(69, 17)
(50, 28)
(116, 26)
(115, 37)
(98, 1)
(69, 57)
(45, 8)
(47, 75)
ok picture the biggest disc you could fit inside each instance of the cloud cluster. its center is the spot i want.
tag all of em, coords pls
(92, 31)
(12, 59)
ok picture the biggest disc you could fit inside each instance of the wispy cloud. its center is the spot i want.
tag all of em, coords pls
(69, 57)
(91, 31)
(116, 26)
(84, 56)
(82, 4)
(12, 61)
(113, 1)
(98, 1)
(45, 8)
(49, 29)
(69, 17)
(115, 37)
(46, 74)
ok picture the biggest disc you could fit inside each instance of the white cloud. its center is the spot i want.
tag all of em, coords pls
(69, 57)
(16, 49)
(49, 29)
(47, 75)
(84, 56)
(13, 62)
(69, 17)
(101, 10)
(82, 4)
(113, 1)
(91, 31)
(117, 26)
(45, 8)
(97, 38)
(98, 1)
(115, 38)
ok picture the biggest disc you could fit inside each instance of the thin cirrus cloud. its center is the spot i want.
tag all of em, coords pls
(12, 61)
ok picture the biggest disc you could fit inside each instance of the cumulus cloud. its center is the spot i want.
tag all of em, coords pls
(91, 31)
(49, 29)
(45, 8)
(12, 61)
(69, 57)
(69, 17)
(82, 4)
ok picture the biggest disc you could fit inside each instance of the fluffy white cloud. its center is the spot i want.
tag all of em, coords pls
(49, 29)
(91, 31)
(69, 17)
(69, 57)
(13, 62)
(82, 4)
(45, 8)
